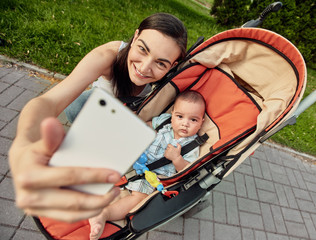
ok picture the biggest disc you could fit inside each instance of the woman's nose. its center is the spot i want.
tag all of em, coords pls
(145, 67)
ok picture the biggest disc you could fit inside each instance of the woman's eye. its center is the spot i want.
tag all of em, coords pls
(142, 49)
(161, 65)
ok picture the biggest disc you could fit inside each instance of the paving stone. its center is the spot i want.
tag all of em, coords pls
(267, 217)
(3, 86)
(21, 100)
(4, 145)
(6, 189)
(4, 70)
(206, 230)
(223, 231)
(306, 206)
(226, 187)
(311, 229)
(219, 207)
(259, 154)
(267, 197)
(291, 177)
(264, 185)
(33, 84)
(274, 156)
(244, 169)
(175, 226)
(12, 77)
(313, 196)
(9, 95)
(247, 234)
(279, 178)
(292, 215)
(296, 229)
(22, 234)
(281, 195)
(265, 170)
(205, 213)
(251, 220)
(273, 236)
(248, 205)
(299, 179)
(191, 229)
(256, 168)
(232, 210)
(10, 215)
(6, 232)
(155, 235)
(29, 224)
(9, 131)
(290, 197)
(240, 184)
(278, 219)
(311, 186)
(251, 188)
(7, 115)
(259, 235)
(301, 194)
(4, 165)
(2, 124)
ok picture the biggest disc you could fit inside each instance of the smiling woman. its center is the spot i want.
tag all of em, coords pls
(40, 133)
(157, 45)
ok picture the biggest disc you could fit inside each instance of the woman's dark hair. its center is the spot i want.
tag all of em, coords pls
(165, 23)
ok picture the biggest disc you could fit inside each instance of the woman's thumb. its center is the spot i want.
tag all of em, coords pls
(52, 133)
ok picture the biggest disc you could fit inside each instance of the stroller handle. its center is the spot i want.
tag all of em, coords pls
(273, 7)
(305, 103)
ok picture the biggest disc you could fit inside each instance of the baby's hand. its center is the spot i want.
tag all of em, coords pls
(173, 153)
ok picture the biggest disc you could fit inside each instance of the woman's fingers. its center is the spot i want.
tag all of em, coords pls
(63, 215)
(48, 177)
(63, 199)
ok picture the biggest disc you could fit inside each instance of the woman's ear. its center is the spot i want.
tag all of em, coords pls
(174, 64)
(136, 34)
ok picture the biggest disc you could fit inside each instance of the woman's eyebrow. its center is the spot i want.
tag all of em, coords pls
(148, 50)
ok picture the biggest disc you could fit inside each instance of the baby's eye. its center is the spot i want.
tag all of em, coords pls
(194, 120)
(179, 116)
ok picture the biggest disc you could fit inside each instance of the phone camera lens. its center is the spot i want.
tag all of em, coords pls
(102, 102)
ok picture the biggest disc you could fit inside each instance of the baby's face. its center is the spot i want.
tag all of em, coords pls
(187, 118)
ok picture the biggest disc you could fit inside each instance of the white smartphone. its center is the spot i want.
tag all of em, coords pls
(105, 134)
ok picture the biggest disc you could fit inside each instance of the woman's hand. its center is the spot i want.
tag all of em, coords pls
(38, 186)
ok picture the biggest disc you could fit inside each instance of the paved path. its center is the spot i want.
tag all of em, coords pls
(272, 195)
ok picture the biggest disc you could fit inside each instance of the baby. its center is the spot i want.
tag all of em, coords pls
(186, 120)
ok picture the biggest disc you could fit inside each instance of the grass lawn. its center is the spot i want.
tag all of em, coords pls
(56, 34)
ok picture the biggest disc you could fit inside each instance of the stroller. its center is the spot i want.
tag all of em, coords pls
(252, 80)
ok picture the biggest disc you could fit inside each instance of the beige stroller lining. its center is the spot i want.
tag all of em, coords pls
(268, 77)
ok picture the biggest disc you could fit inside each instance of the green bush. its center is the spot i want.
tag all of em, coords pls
(295, 21)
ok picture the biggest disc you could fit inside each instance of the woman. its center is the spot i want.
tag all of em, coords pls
(157, 45)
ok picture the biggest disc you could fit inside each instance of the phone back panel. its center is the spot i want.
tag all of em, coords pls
(105, 134)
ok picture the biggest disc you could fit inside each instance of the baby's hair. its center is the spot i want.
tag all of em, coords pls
(191, 96)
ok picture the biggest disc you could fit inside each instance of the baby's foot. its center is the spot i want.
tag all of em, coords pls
(96, 227)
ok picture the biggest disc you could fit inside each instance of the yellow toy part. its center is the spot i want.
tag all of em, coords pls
(153, 180)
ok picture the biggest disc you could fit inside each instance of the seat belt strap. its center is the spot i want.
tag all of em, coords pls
(198, 141)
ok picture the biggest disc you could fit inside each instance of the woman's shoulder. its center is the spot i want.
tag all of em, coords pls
(112, 46)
